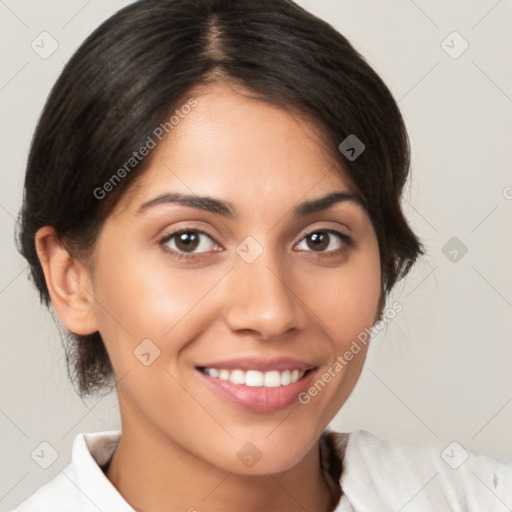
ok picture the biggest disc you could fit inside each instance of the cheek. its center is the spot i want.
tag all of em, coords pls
(347, 303)
(140, 296)
(347, 299)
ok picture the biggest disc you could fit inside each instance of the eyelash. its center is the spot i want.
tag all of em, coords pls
(348, 243)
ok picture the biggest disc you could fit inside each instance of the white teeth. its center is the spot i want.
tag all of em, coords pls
(272, 379)
(237, 377)
(223, 374)
(213, 372)
(255, 378)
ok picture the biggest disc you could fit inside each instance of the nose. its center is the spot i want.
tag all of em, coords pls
(262, 299)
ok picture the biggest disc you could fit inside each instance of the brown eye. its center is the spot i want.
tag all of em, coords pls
(318, 241)
(326, 241)
(189, 241)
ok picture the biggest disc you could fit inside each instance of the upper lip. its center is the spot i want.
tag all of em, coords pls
(262, 365)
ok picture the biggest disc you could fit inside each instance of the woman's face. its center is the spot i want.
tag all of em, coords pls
(260, 293)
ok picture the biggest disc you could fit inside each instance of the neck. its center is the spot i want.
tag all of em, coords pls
(154, 473)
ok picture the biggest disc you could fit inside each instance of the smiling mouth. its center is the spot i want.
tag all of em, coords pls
(258, 384)
(256, 378)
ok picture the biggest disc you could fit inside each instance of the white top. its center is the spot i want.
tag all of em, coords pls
(376, 475)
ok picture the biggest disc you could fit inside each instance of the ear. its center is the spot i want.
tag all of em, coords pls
(68, 282)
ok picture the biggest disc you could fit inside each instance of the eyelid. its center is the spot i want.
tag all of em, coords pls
(167, 237)
(346, 240)
(325, 229)
(343, 233)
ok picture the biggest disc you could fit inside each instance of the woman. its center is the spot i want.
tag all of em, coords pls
(212, 207)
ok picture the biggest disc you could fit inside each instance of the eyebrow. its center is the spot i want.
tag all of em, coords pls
(228, 210)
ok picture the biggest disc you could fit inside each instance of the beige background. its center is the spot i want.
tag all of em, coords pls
(442, 369)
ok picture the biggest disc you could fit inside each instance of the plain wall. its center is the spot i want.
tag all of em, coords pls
(442, 368)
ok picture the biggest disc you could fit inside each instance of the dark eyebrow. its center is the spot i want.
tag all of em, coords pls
(228, 210)
(317, 205)
(201, 202)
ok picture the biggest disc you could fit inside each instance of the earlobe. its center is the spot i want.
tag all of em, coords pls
(68, 283)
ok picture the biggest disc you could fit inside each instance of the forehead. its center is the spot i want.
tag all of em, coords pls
(231, 145)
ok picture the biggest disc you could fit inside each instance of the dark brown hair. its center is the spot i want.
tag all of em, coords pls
(139, 65)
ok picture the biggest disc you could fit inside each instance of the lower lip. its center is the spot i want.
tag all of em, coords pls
(259, 399)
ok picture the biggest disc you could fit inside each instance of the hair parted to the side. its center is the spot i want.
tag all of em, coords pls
(141, 63)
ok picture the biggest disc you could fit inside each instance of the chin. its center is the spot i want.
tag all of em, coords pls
(261, 457)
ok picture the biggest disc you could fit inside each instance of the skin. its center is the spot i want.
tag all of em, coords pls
(180, 439)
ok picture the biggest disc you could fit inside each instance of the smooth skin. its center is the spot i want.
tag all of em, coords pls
(180, 439)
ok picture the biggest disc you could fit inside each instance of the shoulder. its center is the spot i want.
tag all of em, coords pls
(423, 477)
(82, 485)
